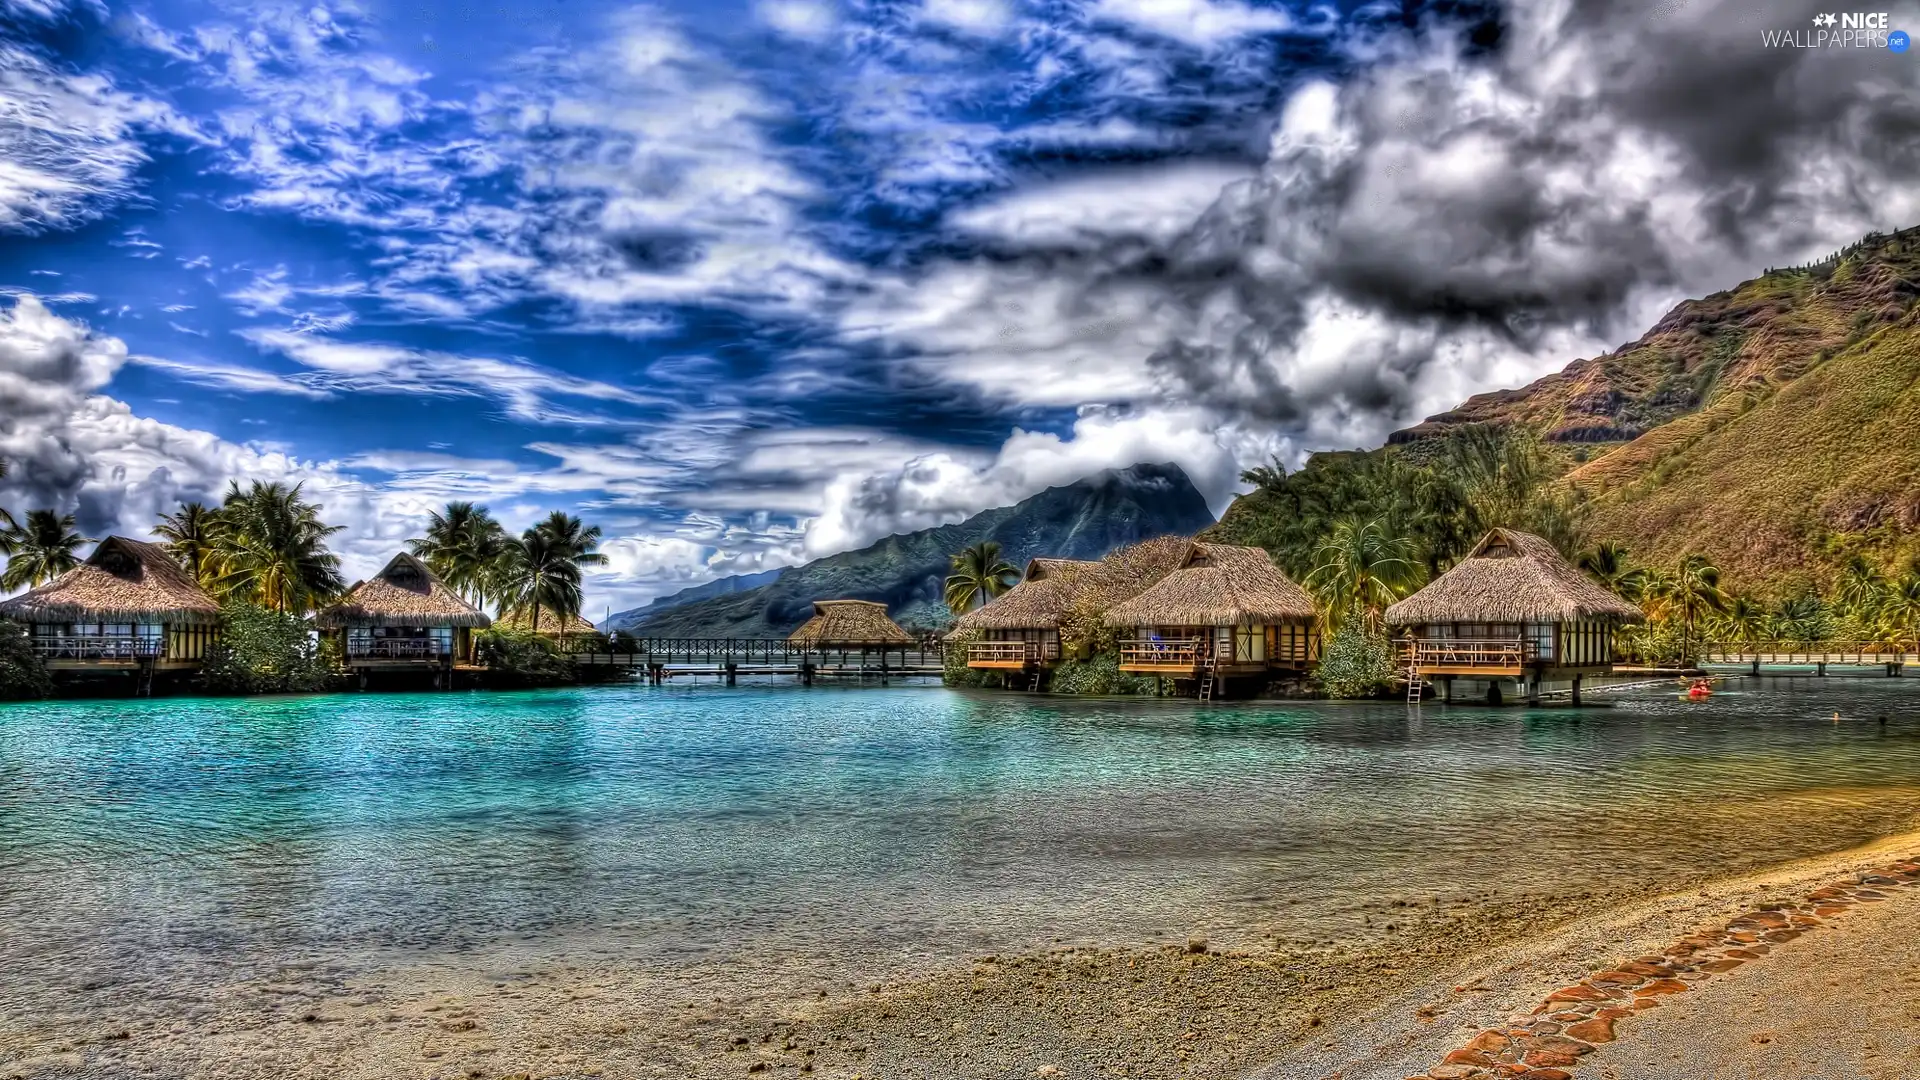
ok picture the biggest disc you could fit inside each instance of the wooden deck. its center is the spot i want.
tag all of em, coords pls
(1173, 658)
(1011, 655)
(1475, 657)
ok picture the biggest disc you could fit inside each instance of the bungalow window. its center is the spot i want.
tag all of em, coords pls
(1250, 644)
(1539, 639)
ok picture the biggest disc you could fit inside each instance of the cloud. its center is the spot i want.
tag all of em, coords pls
(73, 448)
(527, 391)
(70, 144)
(1447, 219)
(807, 19)
(1199, 23)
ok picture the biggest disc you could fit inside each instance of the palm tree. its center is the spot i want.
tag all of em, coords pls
(1269, 477)
(979, 574)
(541, 571)
(38, 550)
(1362, 567)
(192, 536)
(1693, 589)
(1900, 609)
(1804, 619)
(464, 547)
(1860, 588)
(1744, 622)
(1610, 564)
(272, 549)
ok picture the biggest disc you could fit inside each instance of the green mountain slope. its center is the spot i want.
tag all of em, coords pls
(1084, 520)
(1774, 427)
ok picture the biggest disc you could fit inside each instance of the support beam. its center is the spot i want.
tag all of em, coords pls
(1533, 691)
(1576, 689)
(1447, 682)
(732, 674)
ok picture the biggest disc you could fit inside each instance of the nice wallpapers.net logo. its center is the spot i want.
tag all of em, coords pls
(1850, 29)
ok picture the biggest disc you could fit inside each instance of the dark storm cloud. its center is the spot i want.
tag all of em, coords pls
(1544, 186)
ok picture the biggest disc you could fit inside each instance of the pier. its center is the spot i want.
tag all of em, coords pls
(661, 659)
(1891, 660)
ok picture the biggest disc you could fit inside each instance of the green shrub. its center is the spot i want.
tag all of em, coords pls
(264, 652)
(22, 676)
(1355, 663)
(1100, 676)
(523, 658)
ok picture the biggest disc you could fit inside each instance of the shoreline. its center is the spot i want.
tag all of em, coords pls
(1379, 1009)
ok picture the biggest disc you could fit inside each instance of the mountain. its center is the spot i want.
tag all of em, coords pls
(1082, 520)
(725, 586)
(1774, 427)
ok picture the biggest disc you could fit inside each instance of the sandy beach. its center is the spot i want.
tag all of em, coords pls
(1377, 1008)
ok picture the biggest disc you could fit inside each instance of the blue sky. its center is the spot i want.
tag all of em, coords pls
(749, 283)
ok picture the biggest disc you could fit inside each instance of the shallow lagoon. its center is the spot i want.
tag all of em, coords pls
(188, 842)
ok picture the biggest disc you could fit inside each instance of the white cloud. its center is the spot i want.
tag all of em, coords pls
(1155, 203)
(983, 17)
(1201, 23)
(811, 20)
(70, 144)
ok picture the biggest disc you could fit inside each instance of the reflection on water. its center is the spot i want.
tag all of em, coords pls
(183, 840)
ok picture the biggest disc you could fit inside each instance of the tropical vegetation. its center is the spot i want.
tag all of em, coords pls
(262, 650)
(22, 676)
(979, 574)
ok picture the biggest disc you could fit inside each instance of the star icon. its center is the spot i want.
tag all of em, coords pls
(1829, 19)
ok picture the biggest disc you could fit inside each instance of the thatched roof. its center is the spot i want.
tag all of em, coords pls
(123, 581)
(1043, 597)
(551, 624)
(849, 622)
(1218, 585)
(404, 593)
(1511, 577)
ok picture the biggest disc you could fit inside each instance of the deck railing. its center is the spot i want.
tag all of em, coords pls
(98, 647)
(1181, 653)
(1806, 652)
(398, 649)
(1002, 652)
(1497, 653)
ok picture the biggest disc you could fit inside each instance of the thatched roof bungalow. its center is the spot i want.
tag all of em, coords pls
(849, 624)
(128, 603)
(1513, 607)
(1228, 608)
(1022, 625)
(404, 615)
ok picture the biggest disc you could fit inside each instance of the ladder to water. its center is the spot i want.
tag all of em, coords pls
(1415, 689)
(1206, 680)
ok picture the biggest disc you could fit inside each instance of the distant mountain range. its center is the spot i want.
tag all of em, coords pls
(1774, 427)
(1082, 520)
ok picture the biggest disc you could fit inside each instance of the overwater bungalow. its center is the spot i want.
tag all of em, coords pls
(1512, 609)
(1020, 629)
(403, 619)
(1227, 612)
(129, 607)
(849, 625)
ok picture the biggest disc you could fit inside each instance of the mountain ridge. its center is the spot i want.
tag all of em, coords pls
(1773, 426)
(906, 571)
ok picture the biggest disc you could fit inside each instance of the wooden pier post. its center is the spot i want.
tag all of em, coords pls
(1756, 664)
(1533, 691)
(1576, 689)
(1447, 685)
(806, 672)
(732, 674)
(1820, 667)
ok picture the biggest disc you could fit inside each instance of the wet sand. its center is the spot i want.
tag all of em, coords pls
(1385, 1002)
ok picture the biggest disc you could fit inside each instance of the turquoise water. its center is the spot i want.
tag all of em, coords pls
(187, 840)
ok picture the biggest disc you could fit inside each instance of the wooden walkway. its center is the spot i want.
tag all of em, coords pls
(661, 659)
(1819, 655)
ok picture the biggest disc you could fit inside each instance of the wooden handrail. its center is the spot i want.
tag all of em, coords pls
(98, 647)
(1464, 652)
